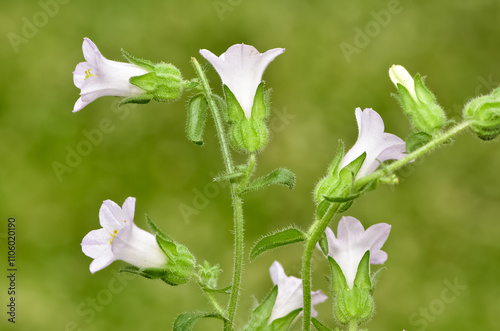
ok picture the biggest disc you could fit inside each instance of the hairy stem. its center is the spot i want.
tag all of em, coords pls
(313, 235)
(414, 155)
(353, 326)
(236, 199)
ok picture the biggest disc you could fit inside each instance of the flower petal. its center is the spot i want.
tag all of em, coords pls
(79, 104)
(316, 297)
(96, 242)
(79, 73)
(129, 209)
(91, 53)
(277, 272)
(102, 261)
(111, 216)
(241, 68)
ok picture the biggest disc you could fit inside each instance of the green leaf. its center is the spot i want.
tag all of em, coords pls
(323, 243)
(283, 323)
(320, 326)
(261, 314)
(136, 271)
(147, 82)
(197, 118)
(186, 321)
(280, 176)
(277, 239)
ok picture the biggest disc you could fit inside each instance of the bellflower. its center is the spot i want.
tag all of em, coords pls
(290, 293)
(353, 241)
(98, 77)
(241, 68)
(120, 239)
(378, 145)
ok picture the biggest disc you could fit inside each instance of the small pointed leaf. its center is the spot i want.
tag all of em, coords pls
(277, 239)
(320, 326)
(338, 279)
(186, 321)
(362, 279)
(156, 230)
(280, 176)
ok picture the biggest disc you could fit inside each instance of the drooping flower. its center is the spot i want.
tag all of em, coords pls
(353, 241)
(98, 77)
(378, 145)
(241, 68)
(120, 239)
(290, 293)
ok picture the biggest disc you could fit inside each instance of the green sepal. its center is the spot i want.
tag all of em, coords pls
(425, 113)
(145, 64)
(417, 140)
(140, 99)
(262, 313)
(196, 118)
(283, 323)
(326, 185)
(186, 321)
(248, 134)
(180, 264)
(343, 199)
(277, 239)
(320, 326)
(362, 279)
(280, 176)
(147, 82)
(155, 230)
(323, 243)
(343, 188)
(354, 304)
(136, 271)
(339, 282)
(233, 110)
(261, 104)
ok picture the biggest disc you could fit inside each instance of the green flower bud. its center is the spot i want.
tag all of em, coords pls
(209, 275)
(484, 113)
(417, 101)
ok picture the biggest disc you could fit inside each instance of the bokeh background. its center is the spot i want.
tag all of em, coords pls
(444, 214)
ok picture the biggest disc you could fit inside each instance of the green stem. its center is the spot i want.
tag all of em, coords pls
(215, 303)
(414, 155)
(236, 199)
(353, 326)
(313, 235)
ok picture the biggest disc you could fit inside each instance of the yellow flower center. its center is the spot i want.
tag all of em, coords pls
(113, 236)
(88, 74)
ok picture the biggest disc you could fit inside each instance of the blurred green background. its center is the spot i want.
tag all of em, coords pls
(444, 214)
